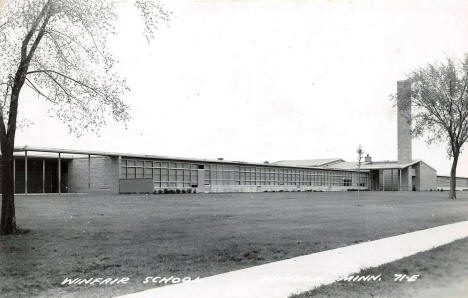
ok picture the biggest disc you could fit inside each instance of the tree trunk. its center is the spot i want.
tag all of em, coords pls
(8, 221)
(453, 178)
(7, 134)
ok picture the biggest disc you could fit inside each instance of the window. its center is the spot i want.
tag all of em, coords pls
(166, 174)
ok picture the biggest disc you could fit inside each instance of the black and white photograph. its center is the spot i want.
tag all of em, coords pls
(234, 148)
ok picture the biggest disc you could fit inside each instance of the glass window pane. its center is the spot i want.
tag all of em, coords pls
(139, 172)
(130, 173)
(148, 173)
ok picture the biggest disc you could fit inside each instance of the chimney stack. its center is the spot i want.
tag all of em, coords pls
(368, 158)
(404, 122)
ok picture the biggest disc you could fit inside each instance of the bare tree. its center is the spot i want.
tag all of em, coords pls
(59, 49)
(360, 153)
(439, 100)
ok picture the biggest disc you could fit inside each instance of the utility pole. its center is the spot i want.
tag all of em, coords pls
(360, 153)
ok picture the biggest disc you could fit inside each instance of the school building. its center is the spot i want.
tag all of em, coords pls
(50, 170)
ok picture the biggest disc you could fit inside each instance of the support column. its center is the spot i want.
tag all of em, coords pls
(119, 159)
(59, 173)
(383, 180)
(25, 172)
(89, 172)
(399, 185)
(393, 182)
(43, 176)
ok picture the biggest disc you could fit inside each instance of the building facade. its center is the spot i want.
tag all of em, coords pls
(51, 170)
(86, 171)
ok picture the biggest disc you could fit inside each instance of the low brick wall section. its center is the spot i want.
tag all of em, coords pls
(143, 185)
(276, 188)
(443, 182)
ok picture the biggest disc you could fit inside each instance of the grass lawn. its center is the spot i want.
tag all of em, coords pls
(135, 236)
(443, 272)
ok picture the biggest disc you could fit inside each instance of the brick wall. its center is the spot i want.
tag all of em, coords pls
(444, 181)
(427, 178)
(104, 175)
(404, 122)
(273, 188)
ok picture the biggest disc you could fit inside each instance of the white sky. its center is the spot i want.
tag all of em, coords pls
(270, 80)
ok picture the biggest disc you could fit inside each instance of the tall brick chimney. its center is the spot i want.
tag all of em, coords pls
(404, 122)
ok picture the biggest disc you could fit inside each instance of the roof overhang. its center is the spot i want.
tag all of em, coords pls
(145, 156)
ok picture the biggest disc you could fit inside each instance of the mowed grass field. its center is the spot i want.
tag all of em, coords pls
(442, 273)
(191, 235)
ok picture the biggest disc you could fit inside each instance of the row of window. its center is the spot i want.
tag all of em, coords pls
(185, 174)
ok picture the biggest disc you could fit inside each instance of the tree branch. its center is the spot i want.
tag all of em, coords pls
(20, 75)
(48, 71)
(59, 50)
(32, 86)
(50, 32)
(37, 40)
(29, 35)
(61, 87)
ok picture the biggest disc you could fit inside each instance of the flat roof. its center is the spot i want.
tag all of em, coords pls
(376, 165)
(146, 156)
(309, 162)
(448, 176)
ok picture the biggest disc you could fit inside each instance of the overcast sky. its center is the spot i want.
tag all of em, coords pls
(270, 80)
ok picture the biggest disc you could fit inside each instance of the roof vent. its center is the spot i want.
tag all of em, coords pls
(368, 158)
(220, 158)
(267, 162)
